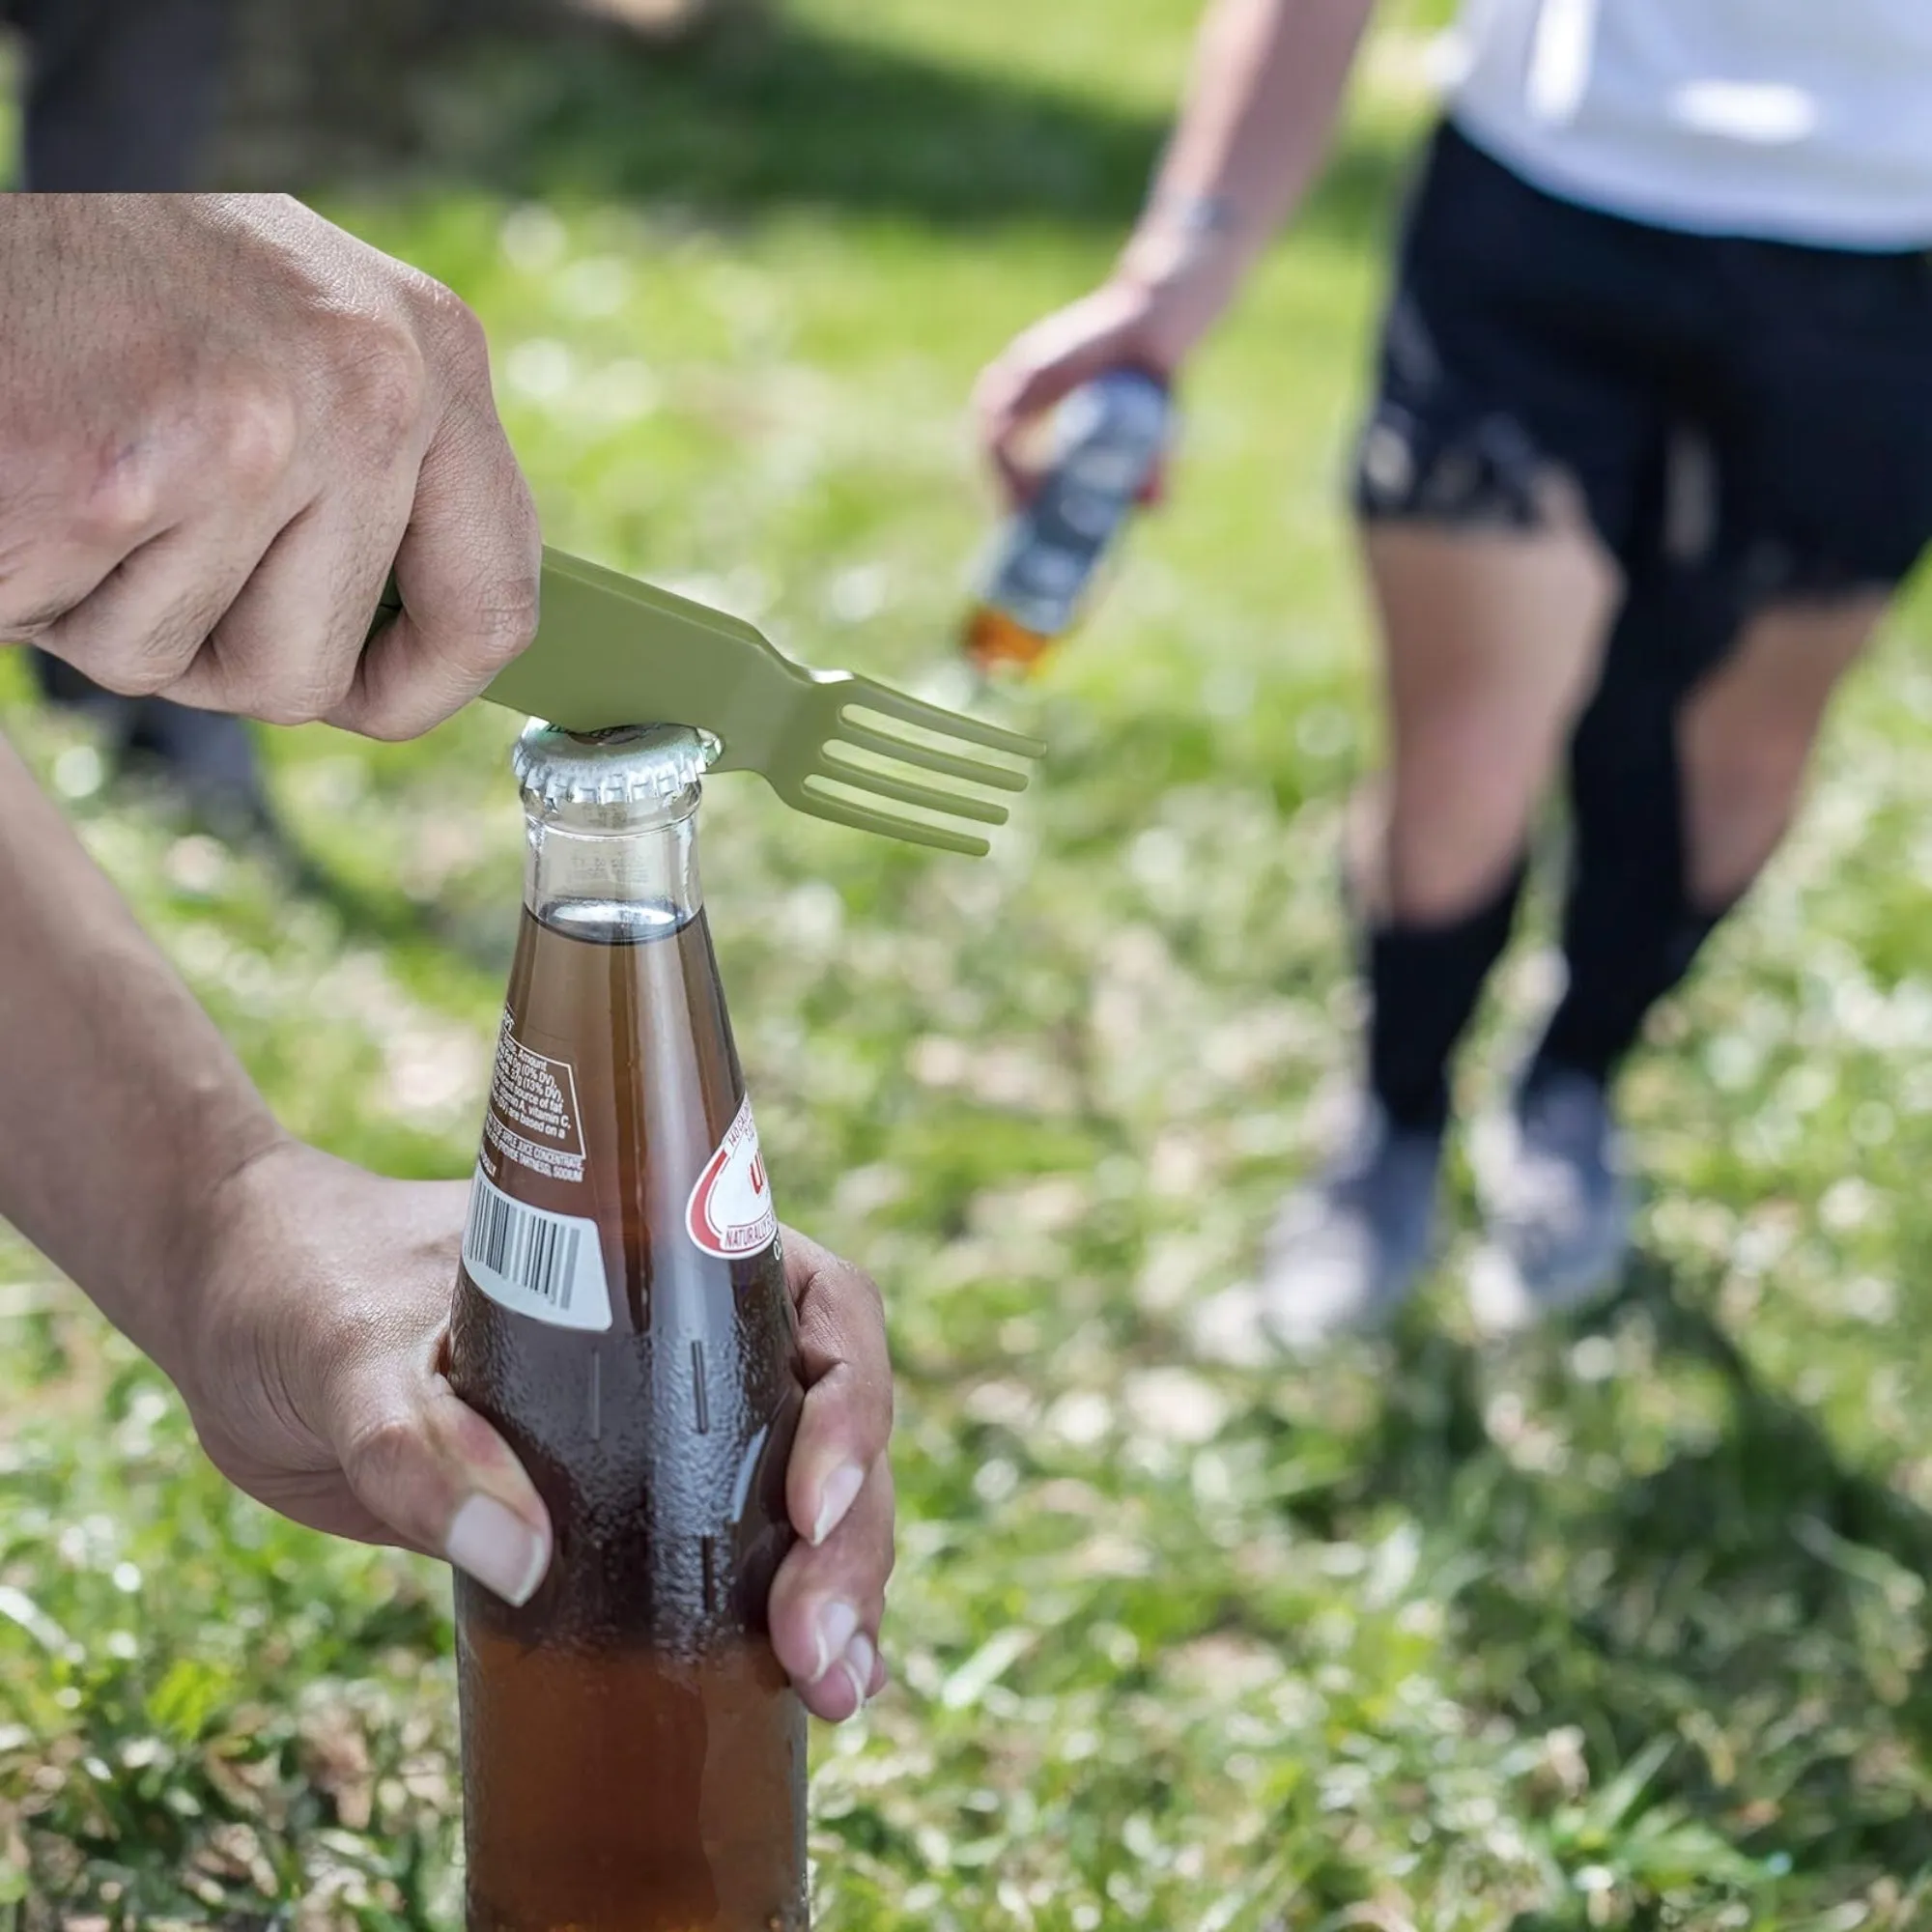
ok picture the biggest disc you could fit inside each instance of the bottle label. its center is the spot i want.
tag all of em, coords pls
(730, 1213)
(548, 1266)
(532, 1118)
(1108, 436)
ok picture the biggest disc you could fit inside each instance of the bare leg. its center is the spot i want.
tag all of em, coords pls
(1491, 639)
(1745, 737)
(1678, 803)
(1490, 647)
(1492, 642)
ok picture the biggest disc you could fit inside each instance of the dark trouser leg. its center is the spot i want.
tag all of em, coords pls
(1630, 929)
(122, 95)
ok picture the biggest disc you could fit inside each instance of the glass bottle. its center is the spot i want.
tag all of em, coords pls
(1107, 436)
(633, 1754)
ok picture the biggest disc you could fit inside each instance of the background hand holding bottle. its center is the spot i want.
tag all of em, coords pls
(1099, 369)
(1123, 323)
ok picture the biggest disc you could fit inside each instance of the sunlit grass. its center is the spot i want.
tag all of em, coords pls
(1624, 1626)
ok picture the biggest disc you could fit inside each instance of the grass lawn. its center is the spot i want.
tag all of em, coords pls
(1625, 1625)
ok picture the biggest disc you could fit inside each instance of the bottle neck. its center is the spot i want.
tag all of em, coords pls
(614, 874)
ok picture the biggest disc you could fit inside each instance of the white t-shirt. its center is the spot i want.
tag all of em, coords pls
(1797, 120)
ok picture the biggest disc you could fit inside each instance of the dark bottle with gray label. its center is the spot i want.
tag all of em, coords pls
(1107, 438)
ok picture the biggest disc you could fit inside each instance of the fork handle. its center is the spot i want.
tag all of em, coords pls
(610, 650)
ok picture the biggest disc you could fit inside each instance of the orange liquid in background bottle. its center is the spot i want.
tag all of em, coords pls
(993, 640)
(1107, 436)
(633, 1757)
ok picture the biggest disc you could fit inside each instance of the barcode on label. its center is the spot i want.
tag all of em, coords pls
(550, 1267)
(535, 1252)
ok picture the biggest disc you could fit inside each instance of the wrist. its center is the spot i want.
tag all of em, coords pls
(218, 1212)
(1184, 263)
(1174, 302)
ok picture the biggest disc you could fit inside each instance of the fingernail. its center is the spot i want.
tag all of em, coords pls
(836, 1622)
(840, 1490)
(857, 1664)
(491, 1542)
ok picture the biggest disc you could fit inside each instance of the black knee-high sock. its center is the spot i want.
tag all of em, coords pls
(1424, 982)
(1630, 929)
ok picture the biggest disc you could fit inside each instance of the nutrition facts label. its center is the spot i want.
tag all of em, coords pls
(532, 1118)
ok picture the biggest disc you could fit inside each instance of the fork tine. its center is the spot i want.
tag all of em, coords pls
(907, 710)
(809, 797)
(975, 771)
(934, 798)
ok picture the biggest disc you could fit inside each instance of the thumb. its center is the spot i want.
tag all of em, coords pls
(1011, 398)
(1014, 409)
(444, 1481)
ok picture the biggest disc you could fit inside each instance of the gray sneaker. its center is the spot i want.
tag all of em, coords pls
(1347, 1249)
(1555, 1201)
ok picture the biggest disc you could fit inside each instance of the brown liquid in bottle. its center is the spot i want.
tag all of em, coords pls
(633, 1757)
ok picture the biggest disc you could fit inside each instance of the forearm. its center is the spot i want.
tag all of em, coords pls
(121, 1108)
(1268, 77)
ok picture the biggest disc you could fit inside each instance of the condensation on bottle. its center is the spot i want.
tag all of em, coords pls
(633, 1757)
(1106, 437)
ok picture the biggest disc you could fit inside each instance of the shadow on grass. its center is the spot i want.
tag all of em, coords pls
(1746, 1591)
(761, 111)
(365, 913)
(385, 917)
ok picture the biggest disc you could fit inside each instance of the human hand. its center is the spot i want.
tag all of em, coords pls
(1122, 324)
(221, 420)
(313, 1370)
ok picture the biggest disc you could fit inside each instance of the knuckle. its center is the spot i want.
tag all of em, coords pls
(256, 430)
(285, 704)
(116, 504)
(64, 488)
(145, 675)
(454, 326)
(382, 1456)
(26, 614)
(388, 379)
(32, 595)
(146, 666)
(332, 682)
(293, 685)
(384, 724)
(505, 617)
(381, 707)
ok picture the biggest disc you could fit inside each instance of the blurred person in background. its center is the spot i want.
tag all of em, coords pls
(222, 421)
(1650, 451)
(124, 95)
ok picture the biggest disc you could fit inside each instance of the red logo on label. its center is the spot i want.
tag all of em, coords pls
(731, 1212)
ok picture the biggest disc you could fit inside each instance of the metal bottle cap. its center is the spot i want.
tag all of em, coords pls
(629, 764)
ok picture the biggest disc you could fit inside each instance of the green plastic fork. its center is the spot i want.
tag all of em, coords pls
(610, 650)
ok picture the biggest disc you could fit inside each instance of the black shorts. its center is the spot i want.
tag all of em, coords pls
(1756, 410)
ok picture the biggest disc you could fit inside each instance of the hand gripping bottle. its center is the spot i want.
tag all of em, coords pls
(1107, 436)
(633, 1754)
